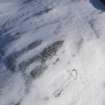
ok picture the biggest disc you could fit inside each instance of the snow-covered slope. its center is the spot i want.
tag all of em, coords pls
(52, 52)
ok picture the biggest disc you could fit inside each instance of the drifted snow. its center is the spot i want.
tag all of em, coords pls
(76, 74)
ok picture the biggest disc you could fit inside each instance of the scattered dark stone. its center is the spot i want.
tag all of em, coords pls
(23, 65)
(33, 45)
(46, 10)
(15, 104)
(27, 48)
(48, 52)
(11, 59)
(10, 62)
(38, 71)
(51, 50)
(56, 61)
(74, 73)
(57, 93)
(39, 13)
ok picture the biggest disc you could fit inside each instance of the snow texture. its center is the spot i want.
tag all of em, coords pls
(52, 52)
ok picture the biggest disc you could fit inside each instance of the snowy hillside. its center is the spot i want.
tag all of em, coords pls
(52, 52)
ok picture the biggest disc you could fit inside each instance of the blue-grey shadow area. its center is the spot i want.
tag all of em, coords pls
(98, 4)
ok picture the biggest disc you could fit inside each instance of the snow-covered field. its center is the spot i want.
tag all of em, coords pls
(52, 52)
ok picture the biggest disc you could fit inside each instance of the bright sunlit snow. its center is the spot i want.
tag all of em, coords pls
(52, 52)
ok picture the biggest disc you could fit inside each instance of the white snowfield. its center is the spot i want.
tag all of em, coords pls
(52, 52)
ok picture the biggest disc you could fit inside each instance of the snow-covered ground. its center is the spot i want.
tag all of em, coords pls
(52, 52)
